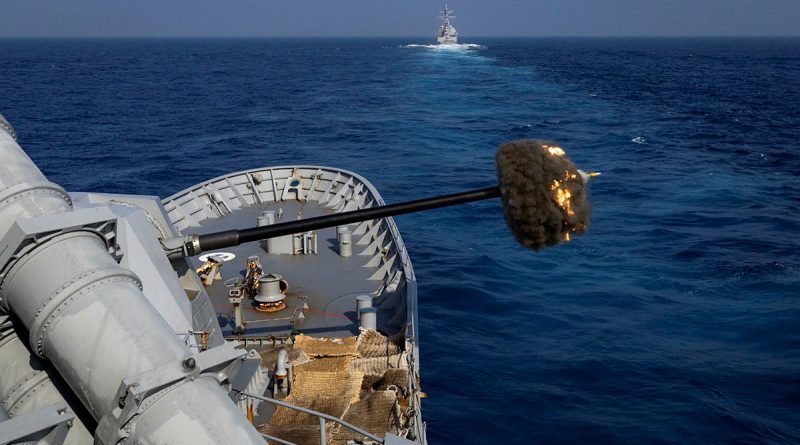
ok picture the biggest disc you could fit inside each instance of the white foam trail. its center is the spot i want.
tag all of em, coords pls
(447, 47)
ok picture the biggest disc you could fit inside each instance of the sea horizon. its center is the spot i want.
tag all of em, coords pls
(430, 37)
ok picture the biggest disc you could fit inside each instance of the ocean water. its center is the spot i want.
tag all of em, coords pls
(674, 320)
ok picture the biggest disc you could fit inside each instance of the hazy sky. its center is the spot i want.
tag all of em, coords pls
(20, 18)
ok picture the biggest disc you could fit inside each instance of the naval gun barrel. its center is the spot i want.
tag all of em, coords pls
(542, 191)
(196, 244)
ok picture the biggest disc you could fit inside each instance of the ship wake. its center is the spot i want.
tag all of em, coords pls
(447, 47)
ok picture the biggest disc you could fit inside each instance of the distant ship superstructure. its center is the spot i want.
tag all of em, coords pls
(447, 34)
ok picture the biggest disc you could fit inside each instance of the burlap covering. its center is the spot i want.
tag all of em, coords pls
(379, 365)
(397, 378)
(326, 364)
(327, 392)
(368, 382)
(374, 344)
(353, 378)
(376, 413)
(326, 347)
(392, 377)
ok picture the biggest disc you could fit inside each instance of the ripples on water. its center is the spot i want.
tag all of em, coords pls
(675, 319)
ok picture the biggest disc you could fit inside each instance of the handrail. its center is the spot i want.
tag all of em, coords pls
(276, 439)
(313, 413)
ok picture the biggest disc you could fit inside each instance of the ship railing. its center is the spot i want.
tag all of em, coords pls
(323, 434)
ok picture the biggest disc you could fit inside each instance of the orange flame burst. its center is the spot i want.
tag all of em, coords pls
(563, 196)
(554, 150)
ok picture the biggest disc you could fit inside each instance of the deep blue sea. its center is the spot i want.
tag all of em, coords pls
(674, 320)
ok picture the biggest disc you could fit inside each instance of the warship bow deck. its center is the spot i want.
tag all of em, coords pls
(314, 315)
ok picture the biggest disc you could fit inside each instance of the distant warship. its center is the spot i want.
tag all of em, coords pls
(447, 33)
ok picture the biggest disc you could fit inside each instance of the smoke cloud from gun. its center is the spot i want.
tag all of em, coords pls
(543, 192)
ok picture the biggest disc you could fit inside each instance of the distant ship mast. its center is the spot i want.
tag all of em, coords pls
(447, 33)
